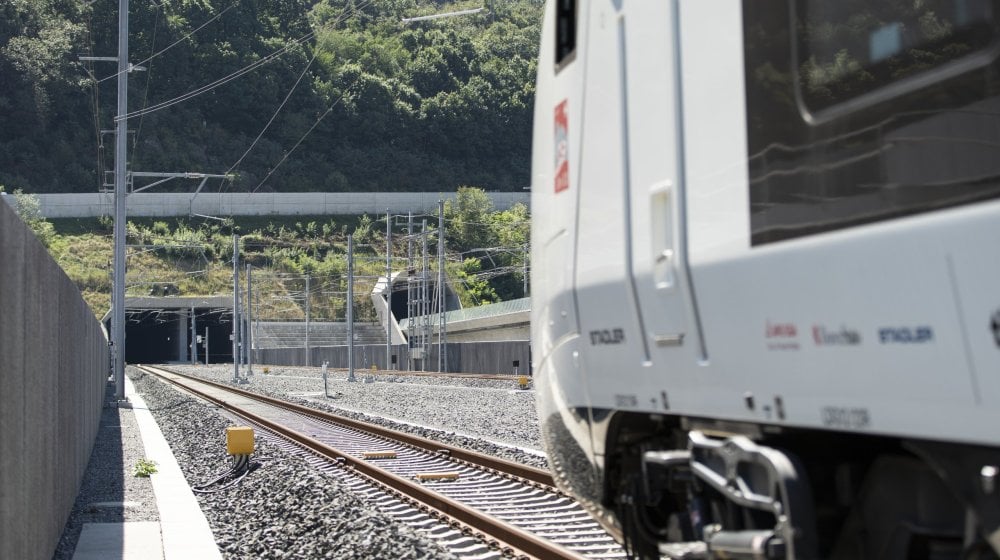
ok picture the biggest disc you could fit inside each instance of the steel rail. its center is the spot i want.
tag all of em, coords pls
(501, 465)
(504, 532)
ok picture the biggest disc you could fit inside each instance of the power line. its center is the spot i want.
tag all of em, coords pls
(220, 82)
(237, 74)
(175, 43)
(275, 115)
(149, 75)
(303, 137)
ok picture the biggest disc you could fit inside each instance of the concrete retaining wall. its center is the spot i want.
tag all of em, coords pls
(463, 357)
(258, 204)
(53, 372)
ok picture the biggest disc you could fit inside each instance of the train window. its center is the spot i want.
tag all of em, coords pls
(853, 53)
(860, 111)
(565, 32)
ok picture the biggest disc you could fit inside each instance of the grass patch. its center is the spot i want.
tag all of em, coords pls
(143, 468)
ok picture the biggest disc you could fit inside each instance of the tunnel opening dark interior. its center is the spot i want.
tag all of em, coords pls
(160, 336)
(400, 298)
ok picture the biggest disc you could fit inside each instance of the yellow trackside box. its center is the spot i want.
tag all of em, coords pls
(239, 440)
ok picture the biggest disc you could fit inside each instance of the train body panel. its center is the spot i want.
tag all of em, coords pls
(745, 254)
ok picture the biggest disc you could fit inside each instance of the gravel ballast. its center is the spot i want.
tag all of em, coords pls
(487, 415)
(285, 508)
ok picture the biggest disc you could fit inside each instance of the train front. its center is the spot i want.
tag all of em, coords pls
(563, 404)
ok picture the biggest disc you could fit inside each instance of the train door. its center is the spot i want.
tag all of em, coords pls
(612, 340)
(655, 145)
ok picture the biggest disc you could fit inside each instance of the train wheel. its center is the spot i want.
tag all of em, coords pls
(903, 511)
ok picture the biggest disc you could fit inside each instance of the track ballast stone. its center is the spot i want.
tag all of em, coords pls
(284, 509)
(485, 415)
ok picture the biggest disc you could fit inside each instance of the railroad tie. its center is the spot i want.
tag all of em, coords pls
(379, 455)
(437, 476)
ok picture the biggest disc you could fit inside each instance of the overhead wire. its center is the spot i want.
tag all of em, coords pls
(221, 81)
(149, 74)
(338, 20)
(97, 103)
(301, 139)
(234, 75)
(174, 44)
(275, 115)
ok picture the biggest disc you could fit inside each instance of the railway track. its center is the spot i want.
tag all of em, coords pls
(449, 492)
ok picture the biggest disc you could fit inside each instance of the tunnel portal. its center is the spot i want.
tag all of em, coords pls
(158, 330)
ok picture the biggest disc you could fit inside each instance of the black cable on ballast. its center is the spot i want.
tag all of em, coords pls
(242, 466)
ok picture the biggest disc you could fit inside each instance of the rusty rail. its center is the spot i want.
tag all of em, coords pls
(502, 531)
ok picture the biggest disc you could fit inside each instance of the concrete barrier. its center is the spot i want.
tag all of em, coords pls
(463, 357)
(148, 204)
(53, 372)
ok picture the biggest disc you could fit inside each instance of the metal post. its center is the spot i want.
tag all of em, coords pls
(425, 303)
(308, 350)
(442, 335)
(243, 337)
(388, 290)
(236, 308)
(121, 147)
(350, 307)
(207, 354)
(524, 271)
(194, 337)
(326, 390)
(256, 318)
(409, 292)
(249, 323)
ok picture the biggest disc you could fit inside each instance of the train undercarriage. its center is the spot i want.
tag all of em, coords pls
(688, 488)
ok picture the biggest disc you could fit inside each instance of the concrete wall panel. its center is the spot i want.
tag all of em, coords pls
(13, 501)
(463, 357)
(148, 204)
(53, 369)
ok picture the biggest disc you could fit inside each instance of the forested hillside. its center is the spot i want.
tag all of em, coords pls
(346, 95)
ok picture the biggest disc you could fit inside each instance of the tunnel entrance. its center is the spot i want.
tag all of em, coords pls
(400, 297)
(159, 330)
(164, 336)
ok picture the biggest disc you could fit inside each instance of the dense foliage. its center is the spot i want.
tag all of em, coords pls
(360, 100)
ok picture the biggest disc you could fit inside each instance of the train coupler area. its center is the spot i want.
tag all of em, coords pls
(736, 498)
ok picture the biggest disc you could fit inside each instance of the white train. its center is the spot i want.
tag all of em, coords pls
(766, 274)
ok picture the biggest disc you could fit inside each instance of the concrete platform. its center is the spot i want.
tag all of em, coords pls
(182, 533)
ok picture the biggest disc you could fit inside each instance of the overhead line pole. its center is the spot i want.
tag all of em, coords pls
(308, 345)
(350, 307)
(388, 290)
(425, 318)
(194, 337)
(409, 293)
(442, 334)
(236, 308)
(121, 147)
(249, 322)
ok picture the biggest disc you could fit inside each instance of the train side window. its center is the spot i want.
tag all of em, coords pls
(565, 32)
(855, 53)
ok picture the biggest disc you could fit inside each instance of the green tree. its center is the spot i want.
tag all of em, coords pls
(29, 208)
(467, 223)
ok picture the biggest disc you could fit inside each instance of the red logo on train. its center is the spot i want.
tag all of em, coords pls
(562, 148)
